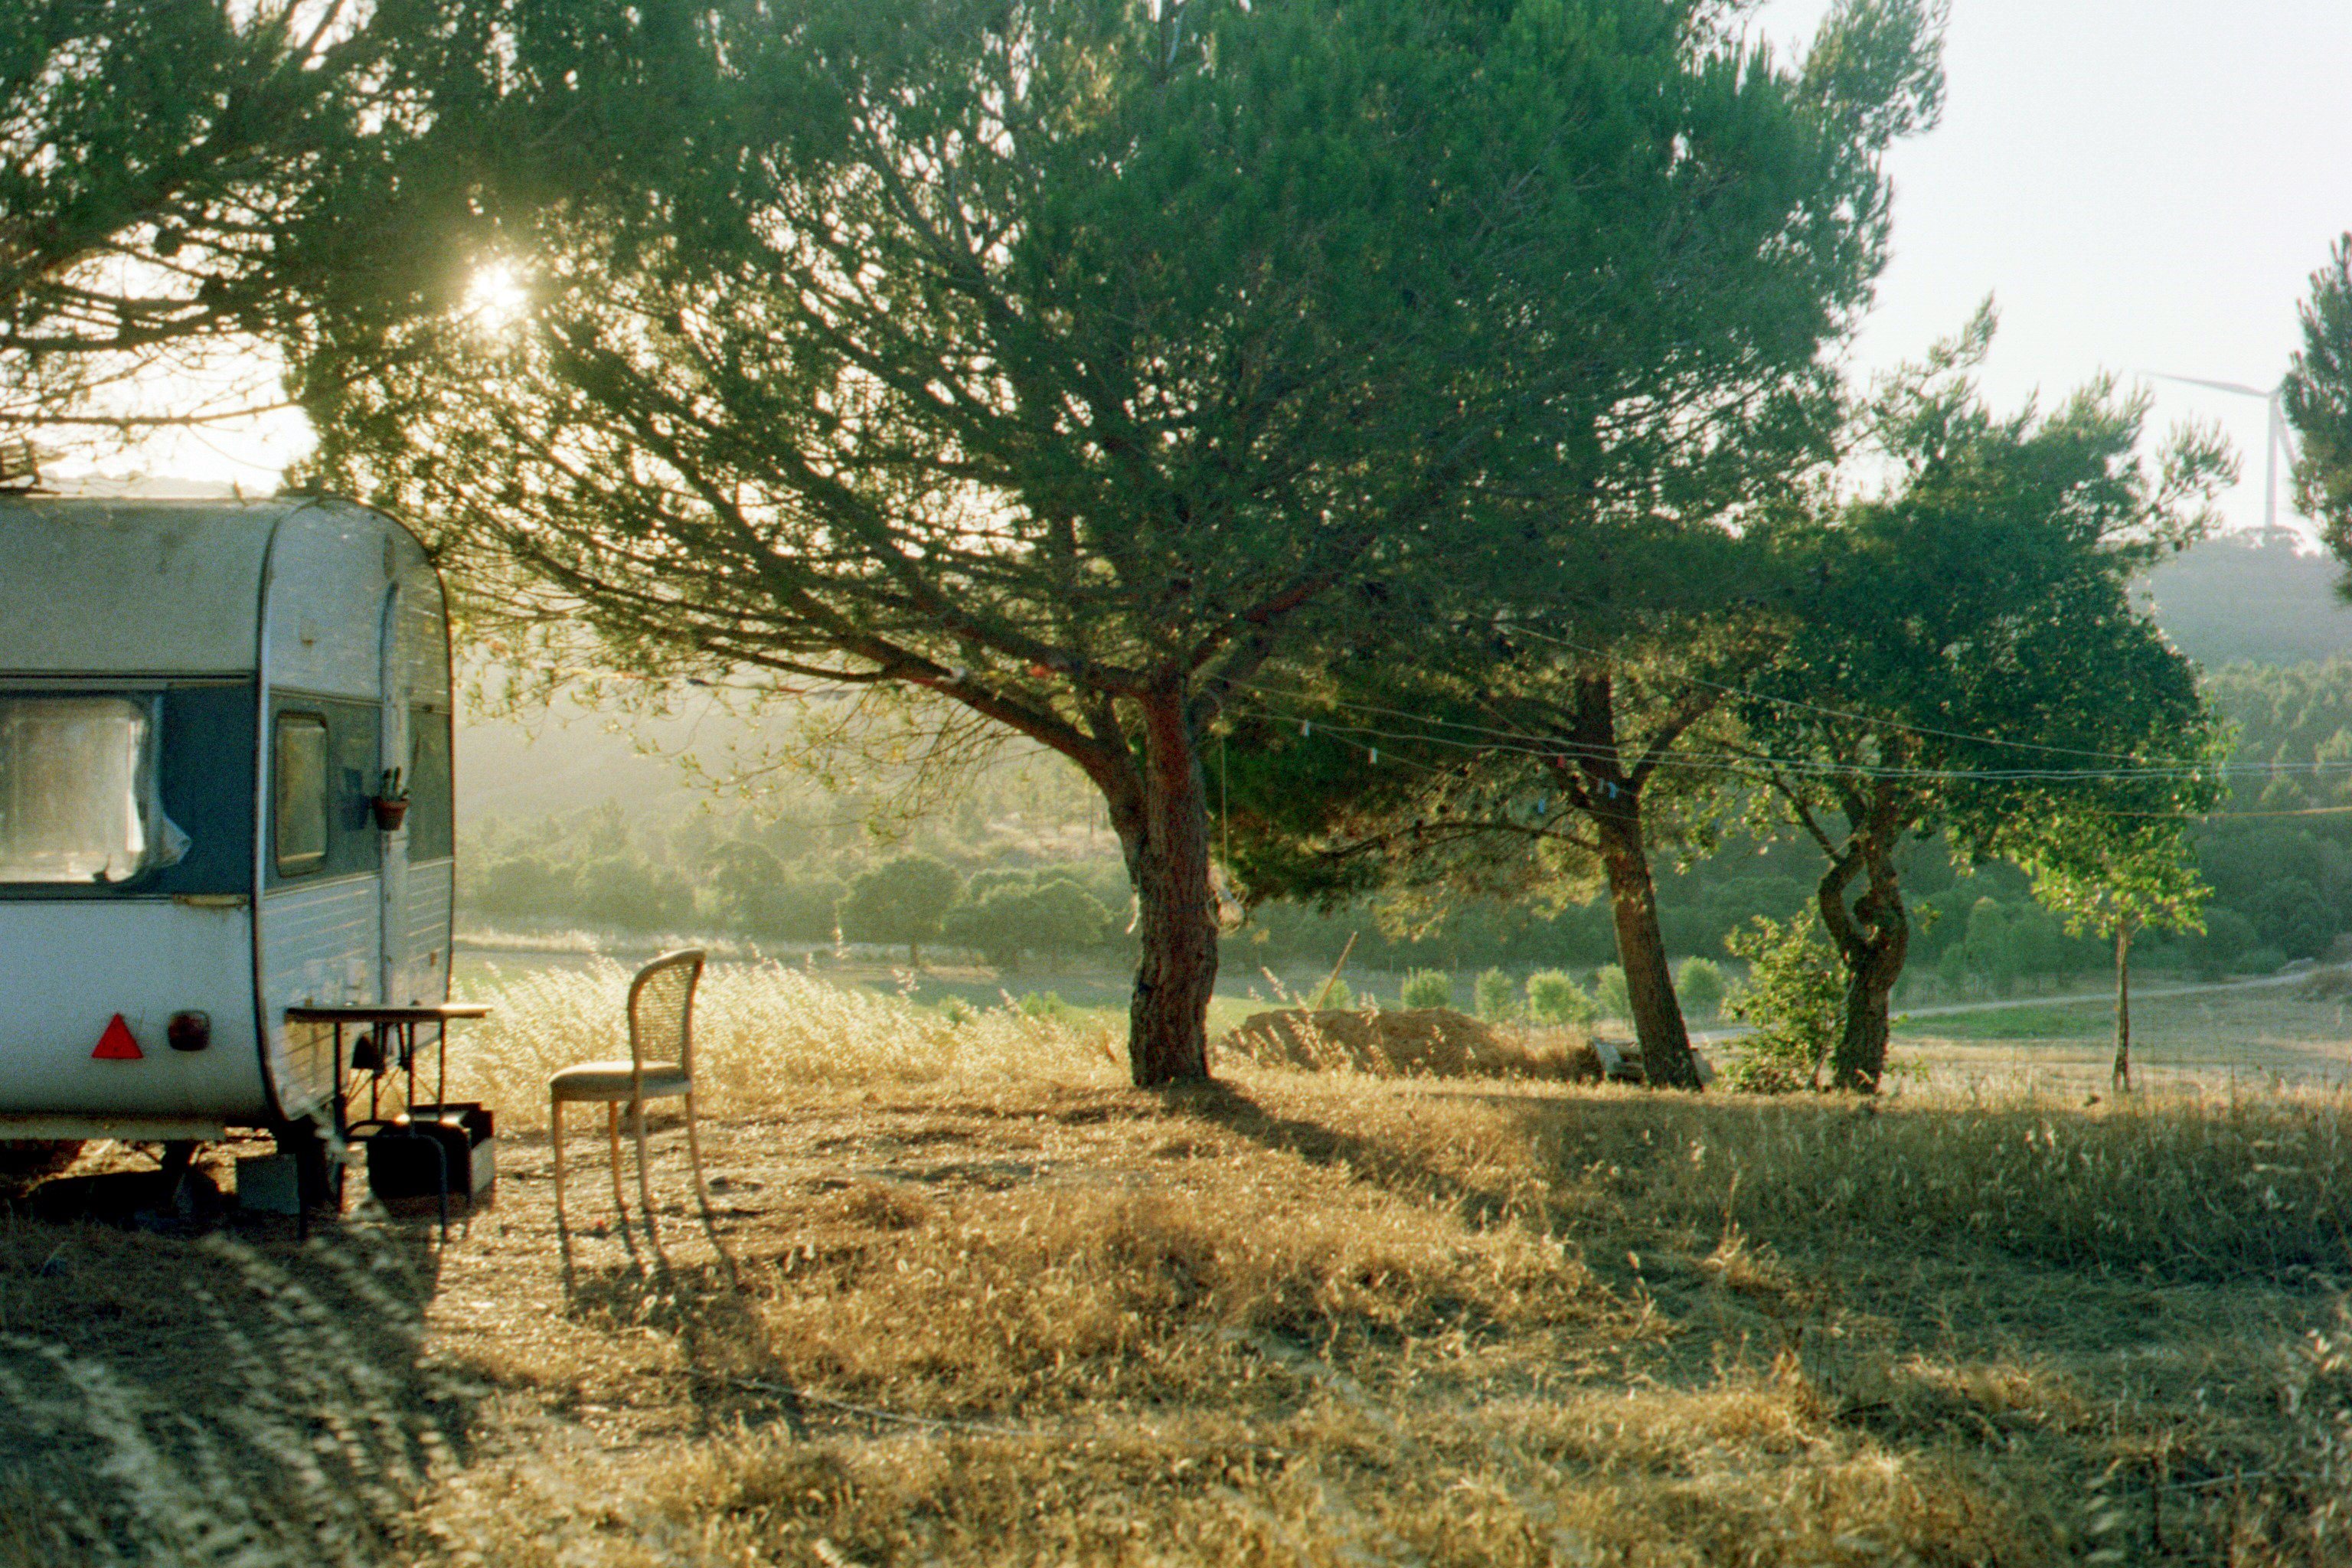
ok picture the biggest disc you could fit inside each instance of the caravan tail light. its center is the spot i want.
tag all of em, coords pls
(189, 1031)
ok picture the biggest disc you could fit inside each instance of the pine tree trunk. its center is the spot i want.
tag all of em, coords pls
(1667, 1058)
(2123, 1006)
(1165, 835)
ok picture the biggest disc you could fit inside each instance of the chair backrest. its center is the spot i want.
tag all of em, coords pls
(661, 1010)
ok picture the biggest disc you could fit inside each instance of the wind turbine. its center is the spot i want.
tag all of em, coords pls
(2278, 438)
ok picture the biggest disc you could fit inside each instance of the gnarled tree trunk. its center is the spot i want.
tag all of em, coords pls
(1872, 940)
(1872, 969)
(1163, 830)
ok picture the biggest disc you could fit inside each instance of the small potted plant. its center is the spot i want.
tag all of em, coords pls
(390, 802)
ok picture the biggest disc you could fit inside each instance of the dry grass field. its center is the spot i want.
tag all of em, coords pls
(966, 1299)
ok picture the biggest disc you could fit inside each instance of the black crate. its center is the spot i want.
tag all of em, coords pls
(409, 1155)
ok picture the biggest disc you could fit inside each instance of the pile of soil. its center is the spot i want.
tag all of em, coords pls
(1417, 1042)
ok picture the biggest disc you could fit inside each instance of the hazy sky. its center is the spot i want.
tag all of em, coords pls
(2142, 184)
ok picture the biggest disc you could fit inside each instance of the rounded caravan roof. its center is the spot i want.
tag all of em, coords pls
(139, 587)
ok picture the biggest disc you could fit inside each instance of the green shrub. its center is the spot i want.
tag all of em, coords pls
(1698, 987)
(2222, 945)
(1793, 998)
(1991, 952)
(1555, 998)
(1338, 994)
(1609, 992)
(1426, 988)
(1494, 996)
(1049, 1005)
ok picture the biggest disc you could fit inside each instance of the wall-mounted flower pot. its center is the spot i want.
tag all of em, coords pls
(390, 814)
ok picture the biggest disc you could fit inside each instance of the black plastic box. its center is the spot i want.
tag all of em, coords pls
(402, 1157)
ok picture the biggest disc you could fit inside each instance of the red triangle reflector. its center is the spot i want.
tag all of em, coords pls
(118, 1044)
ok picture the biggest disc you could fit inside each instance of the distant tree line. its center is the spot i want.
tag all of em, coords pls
(2281, 884)
(780, 882)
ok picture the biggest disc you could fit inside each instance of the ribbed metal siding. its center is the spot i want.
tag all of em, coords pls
(317, 945)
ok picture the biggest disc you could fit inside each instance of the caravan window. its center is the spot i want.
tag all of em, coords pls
(430, 829)
(299, 809)
(324, 764)
(74, 782)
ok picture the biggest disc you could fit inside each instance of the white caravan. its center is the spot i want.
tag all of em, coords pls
(224, 789)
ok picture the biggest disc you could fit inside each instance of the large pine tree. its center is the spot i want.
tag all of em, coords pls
(1071, 359)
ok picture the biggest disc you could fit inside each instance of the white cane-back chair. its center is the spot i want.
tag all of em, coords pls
(660, 1067)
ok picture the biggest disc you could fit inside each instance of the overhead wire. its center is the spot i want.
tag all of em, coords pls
(1764, 768)
(1858, 718)
(1552, 748)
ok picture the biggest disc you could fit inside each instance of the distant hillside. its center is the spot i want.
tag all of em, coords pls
(2250, 596)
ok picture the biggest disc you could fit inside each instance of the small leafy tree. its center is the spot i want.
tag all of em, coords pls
(1495, 998)
(1699, 983)
(902, 899)
(758, 894)
(1064, 919)
(1792, 1000)
(1555, 998)
(2114, 879)
(1339, 996)
(1426, 988)
(1608, 991)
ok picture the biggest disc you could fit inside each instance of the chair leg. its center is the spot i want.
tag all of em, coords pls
(612, 1135)
(693, 1153)
(644, 1180)
(555, 1137)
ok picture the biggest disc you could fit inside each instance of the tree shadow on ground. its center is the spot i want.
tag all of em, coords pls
(1386, 1163)
(226, 1395)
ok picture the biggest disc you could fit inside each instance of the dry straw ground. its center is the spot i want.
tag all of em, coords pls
(968, 1300)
